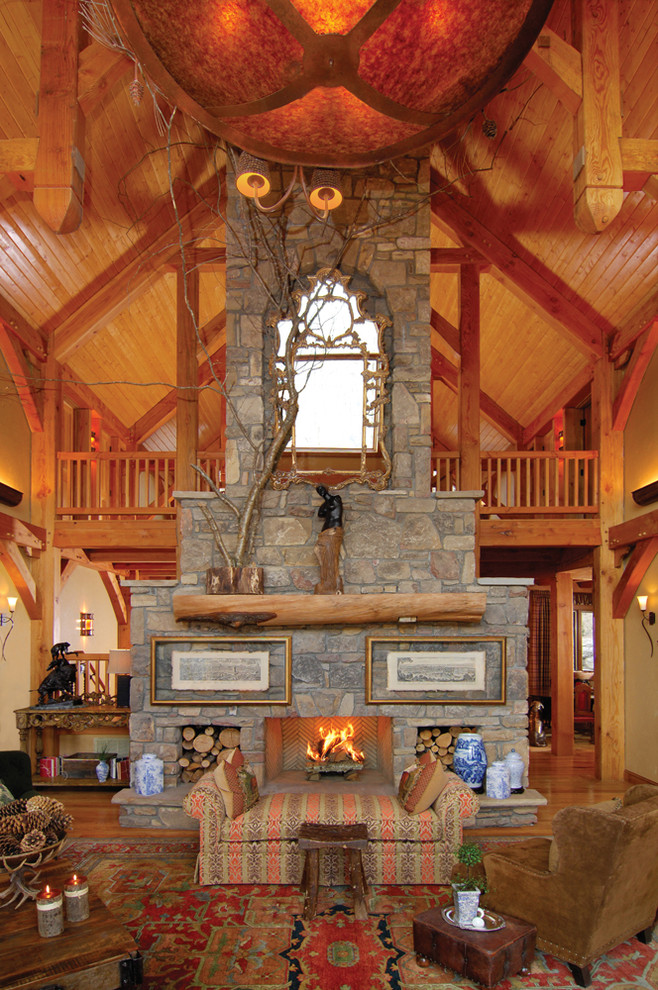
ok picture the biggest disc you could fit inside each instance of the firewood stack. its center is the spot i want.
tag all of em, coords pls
(440, 741)
(203, 747)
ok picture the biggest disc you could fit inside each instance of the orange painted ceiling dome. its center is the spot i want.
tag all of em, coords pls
(330, 82)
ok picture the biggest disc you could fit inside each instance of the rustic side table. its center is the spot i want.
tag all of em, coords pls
(313, 837)
(486, 957)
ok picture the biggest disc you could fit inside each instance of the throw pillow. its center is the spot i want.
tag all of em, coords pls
(237, 783)
(421, 784)
(5, 794)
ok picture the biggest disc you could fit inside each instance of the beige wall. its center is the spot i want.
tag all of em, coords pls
(641, 467)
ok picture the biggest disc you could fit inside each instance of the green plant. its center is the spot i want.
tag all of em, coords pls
(102, 752)
(469, 855)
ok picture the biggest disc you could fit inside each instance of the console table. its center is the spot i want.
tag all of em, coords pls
(72, 719)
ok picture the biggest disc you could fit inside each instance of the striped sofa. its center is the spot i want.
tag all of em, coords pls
(260, 846)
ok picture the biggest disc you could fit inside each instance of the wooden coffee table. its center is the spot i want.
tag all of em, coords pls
(98, 953)
(485, 957)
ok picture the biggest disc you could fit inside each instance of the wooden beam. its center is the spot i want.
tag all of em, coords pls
(311, 610)
(30, 337)
(22, 533)
(597, 170)
(59, 172)
(545, 532)
(118, 292)
(468, 396)
(449, 373)
(523, 279)
(626, 534)
(636, 567)
(451, 259)
(208, 258)
(642, 354)
(559, 66)
(82, 395)
(561, 648)
(23, 581)
(99, 68)
(187, 399)
(156, 533)
(23, 378)
(443, 327)
(80, 558)
(115, 594)
(562, 399)
(635, 324)
(639, 160)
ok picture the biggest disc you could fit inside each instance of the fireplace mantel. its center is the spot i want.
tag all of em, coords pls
(310, 610)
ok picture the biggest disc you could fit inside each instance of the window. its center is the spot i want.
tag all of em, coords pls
(340, 369)
(583, 639)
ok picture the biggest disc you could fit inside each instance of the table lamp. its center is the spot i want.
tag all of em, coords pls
(119, 664)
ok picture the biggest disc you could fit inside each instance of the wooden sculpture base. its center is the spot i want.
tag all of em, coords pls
(327, 550)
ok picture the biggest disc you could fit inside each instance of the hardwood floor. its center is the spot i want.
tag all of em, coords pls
(562, 780)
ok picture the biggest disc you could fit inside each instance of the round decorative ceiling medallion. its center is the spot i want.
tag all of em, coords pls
(330, 82)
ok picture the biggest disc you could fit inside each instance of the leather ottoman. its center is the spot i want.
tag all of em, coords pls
(485, 957)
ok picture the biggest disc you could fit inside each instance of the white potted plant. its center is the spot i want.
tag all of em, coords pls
(468, 886)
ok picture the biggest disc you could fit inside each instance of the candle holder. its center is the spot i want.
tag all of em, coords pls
(76, 898)
(50, 912)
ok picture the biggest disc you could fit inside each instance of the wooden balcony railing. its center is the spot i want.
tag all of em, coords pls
(128, 485)
(528, 482)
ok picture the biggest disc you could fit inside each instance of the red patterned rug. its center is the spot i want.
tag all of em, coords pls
(197, 938)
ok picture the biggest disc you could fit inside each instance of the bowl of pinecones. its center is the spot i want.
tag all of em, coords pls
(32, 831)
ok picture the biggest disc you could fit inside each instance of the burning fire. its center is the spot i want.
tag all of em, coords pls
(335, 745)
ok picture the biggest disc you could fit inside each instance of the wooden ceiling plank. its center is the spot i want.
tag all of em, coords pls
(559, 401)
(29, 336)
(60, 168)
(99, 68)
(636, 567)
(83, 395)
(626, 534)
(559, 66)
(521, 278)
(449, 373)
(18, 154)
(635, 323)
(598, 173)
(23, 581)
(23, 378)
(642, 354)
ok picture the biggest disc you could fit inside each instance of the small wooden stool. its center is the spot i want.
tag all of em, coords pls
(314, 836)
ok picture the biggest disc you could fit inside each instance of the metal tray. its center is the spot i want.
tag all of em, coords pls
(492, 922)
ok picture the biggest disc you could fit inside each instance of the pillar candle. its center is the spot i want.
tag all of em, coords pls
(50, 912)
(76, 897)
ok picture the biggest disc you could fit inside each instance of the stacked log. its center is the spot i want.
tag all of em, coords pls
(440, 741)
(203, 746)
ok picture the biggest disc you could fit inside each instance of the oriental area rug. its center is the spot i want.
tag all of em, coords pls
(253, 937)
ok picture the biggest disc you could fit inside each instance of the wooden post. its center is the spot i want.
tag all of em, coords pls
(609, 725)
(562, 664)
(187, 400)
(469, 377)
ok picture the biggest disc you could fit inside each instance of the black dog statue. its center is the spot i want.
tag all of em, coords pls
(61, 676)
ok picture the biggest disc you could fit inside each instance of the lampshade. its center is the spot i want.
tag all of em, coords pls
(11, 603)
(324, 191)
(253, 176)
(341, 84)
(642, 602)
(119, 662)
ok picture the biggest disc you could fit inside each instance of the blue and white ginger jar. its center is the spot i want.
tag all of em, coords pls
(516, 766)
(470, 759)
(148, 777)
(498, 780)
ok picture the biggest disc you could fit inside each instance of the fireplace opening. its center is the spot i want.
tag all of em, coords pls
(305, 755)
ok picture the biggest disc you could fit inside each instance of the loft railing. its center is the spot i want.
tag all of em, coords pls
(530, 482)
(124, 484)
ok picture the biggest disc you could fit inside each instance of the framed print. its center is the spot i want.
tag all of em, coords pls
(426, 670)
(221, 671)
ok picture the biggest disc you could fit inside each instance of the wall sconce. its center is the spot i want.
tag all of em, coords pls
(323, 194)
(8, 620)
(8, 495)
(648, 618)
(86, 623)
(119, 665)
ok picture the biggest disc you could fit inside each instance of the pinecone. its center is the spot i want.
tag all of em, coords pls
(14, 826)
(35, 819)
(16, 807)
(60, 823)
(489, 128)
(136, 92)
(8, 846)
(33, 841)
(40, 802)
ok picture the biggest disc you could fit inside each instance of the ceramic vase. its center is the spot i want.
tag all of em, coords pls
(470, 759)
(498, 781)
(102, 771)
(149, 775)
(516, 767)
(467, 904)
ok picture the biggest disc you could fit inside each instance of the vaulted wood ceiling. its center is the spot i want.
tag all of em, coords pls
(101, 299)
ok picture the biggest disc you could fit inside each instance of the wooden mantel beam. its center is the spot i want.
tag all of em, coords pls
(59, 171)
(313, 610)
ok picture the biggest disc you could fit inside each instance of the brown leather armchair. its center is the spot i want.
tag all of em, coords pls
(592, 887)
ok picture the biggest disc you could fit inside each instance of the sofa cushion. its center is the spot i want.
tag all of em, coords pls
(421, 784)
(237, 783)
(5, 794)
(279, 816)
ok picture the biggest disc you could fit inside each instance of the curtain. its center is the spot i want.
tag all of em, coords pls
(539, 644)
